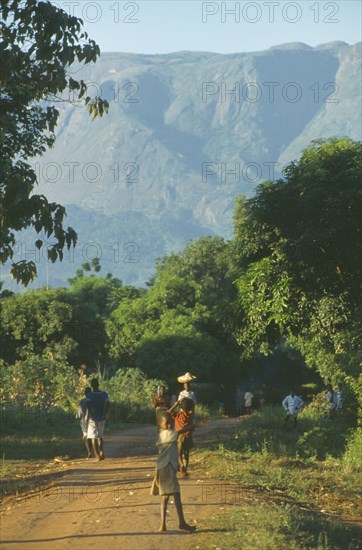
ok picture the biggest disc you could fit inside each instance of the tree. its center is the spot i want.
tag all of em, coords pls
(92, 299)
(38, 323)
(299, 240)
(182, 323)
(39, 42)
(311, 220)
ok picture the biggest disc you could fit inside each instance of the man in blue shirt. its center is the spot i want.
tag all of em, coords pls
(98, 404)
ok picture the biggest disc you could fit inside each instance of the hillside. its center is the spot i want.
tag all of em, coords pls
(155, 171)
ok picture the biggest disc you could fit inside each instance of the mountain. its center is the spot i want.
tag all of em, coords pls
(186, 133)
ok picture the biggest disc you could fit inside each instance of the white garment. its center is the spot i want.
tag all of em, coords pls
(188, 394)
(167, 449)
(248, 398)
(292, 404)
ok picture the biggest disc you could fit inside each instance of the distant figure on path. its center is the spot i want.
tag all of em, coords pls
(161, 402)
(165, 482)
(248, 399)
(292, 405)
(334, 400)
(83, 417)
(338, 398)
(98, 403)
(330, 400)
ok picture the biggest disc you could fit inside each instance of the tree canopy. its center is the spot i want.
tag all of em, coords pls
(39, 43)
(299, 243)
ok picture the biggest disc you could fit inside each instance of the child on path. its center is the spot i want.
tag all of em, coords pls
(165, 482)
(184, 417)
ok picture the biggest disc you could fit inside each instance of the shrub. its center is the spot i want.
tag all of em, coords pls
(353, 454)
(130, 393)
(40, 381)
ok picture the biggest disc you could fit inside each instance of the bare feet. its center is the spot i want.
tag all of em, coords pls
(187, 527)
(101, 456)
(162, 528)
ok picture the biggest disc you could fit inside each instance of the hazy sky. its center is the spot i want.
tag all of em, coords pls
(162, 26)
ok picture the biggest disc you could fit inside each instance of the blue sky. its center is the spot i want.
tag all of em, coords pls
(163, 26)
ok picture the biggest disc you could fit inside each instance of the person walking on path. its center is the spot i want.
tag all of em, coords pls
(248, 399)
(184, 417)
(186, 392)
(292, 404)
(165, 482)
(161, 402)
(98, 403)
(83, 417)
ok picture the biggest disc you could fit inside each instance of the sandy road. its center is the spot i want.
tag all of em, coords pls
(107, 504)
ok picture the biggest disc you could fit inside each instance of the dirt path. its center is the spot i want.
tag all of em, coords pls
(107, 504)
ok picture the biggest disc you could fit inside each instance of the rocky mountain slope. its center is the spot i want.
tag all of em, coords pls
(186, 133)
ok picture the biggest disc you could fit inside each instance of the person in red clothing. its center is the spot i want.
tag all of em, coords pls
(161, 402)
(183, 418)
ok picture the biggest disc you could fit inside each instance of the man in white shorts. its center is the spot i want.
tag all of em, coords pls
(98, 403)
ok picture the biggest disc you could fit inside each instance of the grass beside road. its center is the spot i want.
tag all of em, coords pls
(282, 488)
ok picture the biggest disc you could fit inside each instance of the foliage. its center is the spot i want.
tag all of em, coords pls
(91, 298)
(35, 323)
(42, 381)
(312, 218)
(353, 452)
(66, 323)
(297, 242)
(216, 307)
(131, 394)
(39, 43)
(183, 322)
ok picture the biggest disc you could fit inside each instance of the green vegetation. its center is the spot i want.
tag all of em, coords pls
(283, 488)
(285, 285)
(39, 43)
(270, 526)
(299, 239)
